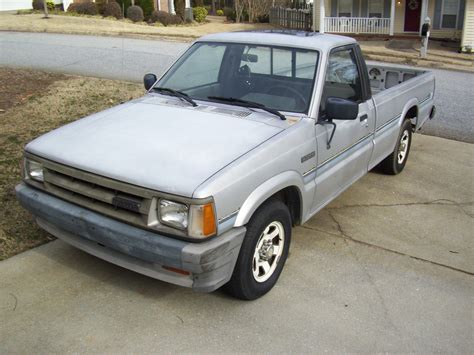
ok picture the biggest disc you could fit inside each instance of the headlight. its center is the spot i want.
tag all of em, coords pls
(34, 170)
(173, 214)
(198, 220)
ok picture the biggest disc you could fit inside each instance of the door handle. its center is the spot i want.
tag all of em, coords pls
(364, 120)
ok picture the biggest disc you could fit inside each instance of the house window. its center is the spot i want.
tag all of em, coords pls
(449, 13)
(344, 8)
(375, 8)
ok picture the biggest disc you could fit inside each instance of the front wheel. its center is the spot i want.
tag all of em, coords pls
(263, 252)
(395, 162)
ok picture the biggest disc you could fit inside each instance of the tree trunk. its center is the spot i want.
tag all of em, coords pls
(45, 8)
(213, 7)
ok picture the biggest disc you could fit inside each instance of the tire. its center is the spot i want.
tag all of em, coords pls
(261, 257)
(396, 161)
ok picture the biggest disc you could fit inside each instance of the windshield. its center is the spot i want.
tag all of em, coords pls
(279, 78)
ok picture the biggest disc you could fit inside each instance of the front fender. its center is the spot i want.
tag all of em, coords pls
(266, 190)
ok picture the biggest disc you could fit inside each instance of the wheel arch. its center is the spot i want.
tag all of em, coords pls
(287, 187)
(410, 111)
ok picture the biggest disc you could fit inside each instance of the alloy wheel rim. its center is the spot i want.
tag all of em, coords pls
(268, 251)
(403, 147)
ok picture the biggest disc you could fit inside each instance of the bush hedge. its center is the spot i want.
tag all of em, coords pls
(135, 13)
(220, 12)
(160, 16)
(38, 5)
(179, 8)
(199, 14)
(112, 9)
(147, 7)
(85, 8)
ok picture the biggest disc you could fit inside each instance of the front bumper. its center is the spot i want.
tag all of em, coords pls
(210, 264)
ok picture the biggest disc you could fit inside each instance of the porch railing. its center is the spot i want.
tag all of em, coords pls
(357, 25)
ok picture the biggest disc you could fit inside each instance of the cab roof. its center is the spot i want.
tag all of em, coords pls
(284, 38)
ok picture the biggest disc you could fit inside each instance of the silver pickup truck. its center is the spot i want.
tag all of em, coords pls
(199, 182)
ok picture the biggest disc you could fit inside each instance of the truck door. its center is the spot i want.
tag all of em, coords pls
(346, 159)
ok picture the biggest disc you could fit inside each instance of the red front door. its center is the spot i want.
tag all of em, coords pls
(412, 15)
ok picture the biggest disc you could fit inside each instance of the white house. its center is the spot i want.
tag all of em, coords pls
(393, 17)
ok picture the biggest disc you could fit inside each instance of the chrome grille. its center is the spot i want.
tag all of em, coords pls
(107, 196)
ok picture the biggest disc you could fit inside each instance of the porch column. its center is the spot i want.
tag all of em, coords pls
(171, 7)
(392, 17)
(424, 12)
(322, 15)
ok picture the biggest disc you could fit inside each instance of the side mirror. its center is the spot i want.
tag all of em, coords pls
(341, 109)
(149, 80)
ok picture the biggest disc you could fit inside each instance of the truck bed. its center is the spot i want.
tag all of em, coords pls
(384, 77)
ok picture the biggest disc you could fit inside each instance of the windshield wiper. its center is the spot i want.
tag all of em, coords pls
(176, 93)
(245, 103)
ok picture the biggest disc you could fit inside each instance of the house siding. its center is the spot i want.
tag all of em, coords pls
(10, 5)
(434, 12)
(468, 33)
(162, 5)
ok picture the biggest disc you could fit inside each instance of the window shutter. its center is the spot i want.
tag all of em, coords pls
(462, 8)
(364, 9)
(387, 5)
(437, 15)
(333, 8)
(355, 8)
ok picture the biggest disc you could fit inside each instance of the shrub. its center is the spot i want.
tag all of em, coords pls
(38, 5)
(135, 13)
(124, 4)
(165, 18)
(265, 18)
(112, 9)
(199, 13)
(147, 7)
(176, 20)
(85, 8)
(220, 12)
(161, 16)
(229, 13)
(179, 7)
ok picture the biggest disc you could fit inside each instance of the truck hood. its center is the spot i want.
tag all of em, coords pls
(154, 145)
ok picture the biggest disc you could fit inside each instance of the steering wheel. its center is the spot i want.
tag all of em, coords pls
(244, 73)
(283, 89)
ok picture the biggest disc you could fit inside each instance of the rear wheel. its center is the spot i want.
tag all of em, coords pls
(395, 162)
(263, 252)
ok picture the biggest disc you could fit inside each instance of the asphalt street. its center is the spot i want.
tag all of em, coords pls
(387, 267)
(130, 59)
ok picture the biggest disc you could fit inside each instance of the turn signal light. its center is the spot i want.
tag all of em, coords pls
(209, 220)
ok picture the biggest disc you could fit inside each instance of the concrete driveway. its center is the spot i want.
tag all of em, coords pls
(387, 267)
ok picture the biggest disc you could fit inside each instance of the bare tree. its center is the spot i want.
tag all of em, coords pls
(239, 9)
(256, 8)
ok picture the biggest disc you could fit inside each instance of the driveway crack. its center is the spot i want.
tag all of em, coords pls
(441, 201)
(344, 235)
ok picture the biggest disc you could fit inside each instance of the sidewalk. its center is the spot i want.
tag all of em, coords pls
(441, 55)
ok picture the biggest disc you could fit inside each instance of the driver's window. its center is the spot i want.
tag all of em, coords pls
(342, 77)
